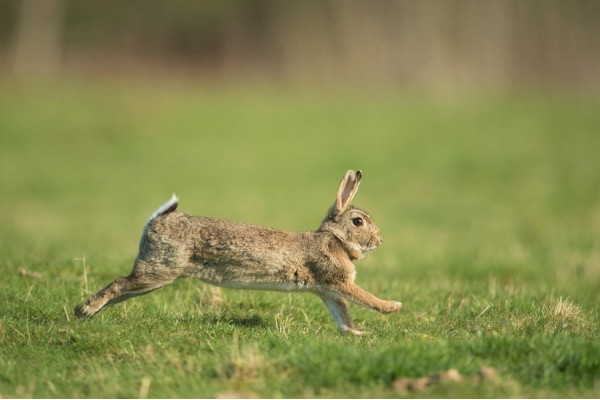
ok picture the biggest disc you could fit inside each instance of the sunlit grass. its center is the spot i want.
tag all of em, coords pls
(489, 208)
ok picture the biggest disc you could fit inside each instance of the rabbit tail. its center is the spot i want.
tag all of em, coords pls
(166, 208)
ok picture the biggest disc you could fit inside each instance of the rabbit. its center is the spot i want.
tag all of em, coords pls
(241, 256)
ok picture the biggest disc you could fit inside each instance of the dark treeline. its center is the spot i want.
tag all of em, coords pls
(428, 42)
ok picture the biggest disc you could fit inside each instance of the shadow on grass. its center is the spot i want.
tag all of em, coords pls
(252, 321)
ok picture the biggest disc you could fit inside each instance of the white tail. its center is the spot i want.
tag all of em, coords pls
(169, 206)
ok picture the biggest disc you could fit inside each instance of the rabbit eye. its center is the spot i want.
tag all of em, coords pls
(358, 221)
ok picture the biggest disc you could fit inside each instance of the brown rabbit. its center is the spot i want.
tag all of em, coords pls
(235, 255)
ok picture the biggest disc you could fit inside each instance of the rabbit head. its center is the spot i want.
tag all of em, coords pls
(353, 227)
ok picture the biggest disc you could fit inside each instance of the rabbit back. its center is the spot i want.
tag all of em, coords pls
(227, 253)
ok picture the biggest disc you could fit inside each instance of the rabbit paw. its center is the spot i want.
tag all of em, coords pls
(392, 306)
(83, 311)
(355, 332)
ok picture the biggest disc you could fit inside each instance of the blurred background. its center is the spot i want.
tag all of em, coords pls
(409, 43)
(475, 123)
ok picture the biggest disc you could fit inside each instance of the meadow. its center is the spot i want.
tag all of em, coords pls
(489, 206)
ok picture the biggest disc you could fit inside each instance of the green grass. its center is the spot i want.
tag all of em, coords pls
(489, 206)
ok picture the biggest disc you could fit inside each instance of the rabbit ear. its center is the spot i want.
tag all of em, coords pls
(346, 191)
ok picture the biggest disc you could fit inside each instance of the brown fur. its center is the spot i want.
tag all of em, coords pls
(236, 255)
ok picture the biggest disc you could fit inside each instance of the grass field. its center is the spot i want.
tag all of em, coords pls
(489, 206)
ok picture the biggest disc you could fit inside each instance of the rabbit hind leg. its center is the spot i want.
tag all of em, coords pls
(119, 290)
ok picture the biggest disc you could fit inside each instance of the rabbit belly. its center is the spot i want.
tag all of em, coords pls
(272, 286)
(251, 275)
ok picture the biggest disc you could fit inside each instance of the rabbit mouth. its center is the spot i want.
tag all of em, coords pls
(362, 249)
(365, 249)
(372, 245)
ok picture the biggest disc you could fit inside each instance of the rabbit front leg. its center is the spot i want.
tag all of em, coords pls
(360, 296)
(339, 311)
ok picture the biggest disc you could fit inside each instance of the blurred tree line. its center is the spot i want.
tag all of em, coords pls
(422, 42)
